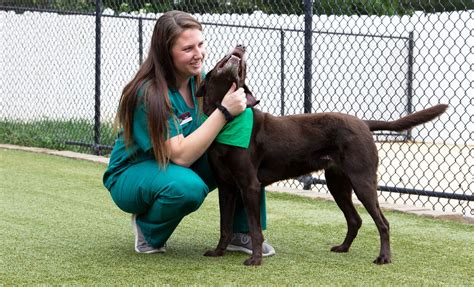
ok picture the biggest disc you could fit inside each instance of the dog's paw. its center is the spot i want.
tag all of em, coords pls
(340, 248)
(382, 259)
(253, 261)
(213, 253)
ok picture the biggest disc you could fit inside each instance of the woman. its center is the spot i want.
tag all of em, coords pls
(158, 169)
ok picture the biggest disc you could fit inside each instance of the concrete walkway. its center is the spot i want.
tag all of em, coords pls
(272, 188)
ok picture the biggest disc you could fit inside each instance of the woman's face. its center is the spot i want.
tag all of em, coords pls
(188, 53)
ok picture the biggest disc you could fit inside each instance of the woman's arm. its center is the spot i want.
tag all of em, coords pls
(185, 151)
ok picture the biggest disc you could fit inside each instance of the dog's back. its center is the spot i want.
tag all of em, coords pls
(289, 146)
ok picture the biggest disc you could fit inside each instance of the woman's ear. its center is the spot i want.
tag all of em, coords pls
(251, 100)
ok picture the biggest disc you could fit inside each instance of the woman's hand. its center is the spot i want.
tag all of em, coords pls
(234, 101)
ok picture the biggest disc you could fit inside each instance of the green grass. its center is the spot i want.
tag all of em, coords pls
(58, 225)
(54, 134)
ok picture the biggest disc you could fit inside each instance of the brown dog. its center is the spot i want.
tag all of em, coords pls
(290, 146)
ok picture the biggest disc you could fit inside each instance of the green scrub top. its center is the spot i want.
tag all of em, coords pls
(184, 120)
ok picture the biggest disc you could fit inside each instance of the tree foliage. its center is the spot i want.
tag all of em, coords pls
(320, 7)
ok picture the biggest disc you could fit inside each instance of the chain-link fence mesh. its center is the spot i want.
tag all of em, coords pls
(63, 67)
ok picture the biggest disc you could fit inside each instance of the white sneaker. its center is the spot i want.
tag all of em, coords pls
(242, 242)
(141, 246)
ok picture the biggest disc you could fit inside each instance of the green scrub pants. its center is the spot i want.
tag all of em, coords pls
(162, 197)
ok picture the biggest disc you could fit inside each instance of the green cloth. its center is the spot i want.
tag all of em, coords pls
(237, 132)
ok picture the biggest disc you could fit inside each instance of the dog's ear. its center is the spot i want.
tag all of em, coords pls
(251, 100)
(201, 90)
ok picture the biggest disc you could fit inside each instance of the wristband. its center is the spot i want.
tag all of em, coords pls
(228, 117)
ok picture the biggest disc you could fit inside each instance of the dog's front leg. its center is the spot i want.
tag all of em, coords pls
(250, 191)
(227, 201)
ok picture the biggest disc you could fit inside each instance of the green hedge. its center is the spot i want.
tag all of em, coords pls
(53, 134)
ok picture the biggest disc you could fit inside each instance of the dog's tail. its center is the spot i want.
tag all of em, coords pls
(409, 121)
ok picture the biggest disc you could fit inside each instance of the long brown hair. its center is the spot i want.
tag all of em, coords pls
(159, 74)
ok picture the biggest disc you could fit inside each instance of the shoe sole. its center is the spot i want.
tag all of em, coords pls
(159, 250)
(235, 248)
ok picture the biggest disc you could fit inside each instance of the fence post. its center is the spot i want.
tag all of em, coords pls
(282, 71)
(98, 13)
(140, 40)
(411, 45)
(308, 48)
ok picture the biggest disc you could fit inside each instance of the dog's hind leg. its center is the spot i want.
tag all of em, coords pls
(227, 201)
(366, 190)
(341, 189)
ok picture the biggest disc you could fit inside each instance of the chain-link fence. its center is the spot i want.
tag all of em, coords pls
(64, 63)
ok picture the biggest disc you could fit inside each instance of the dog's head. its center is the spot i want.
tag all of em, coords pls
(230, 69)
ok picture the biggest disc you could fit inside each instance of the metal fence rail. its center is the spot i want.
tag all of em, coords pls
(63, 65)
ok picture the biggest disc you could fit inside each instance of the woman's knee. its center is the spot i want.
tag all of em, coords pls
(188, 194)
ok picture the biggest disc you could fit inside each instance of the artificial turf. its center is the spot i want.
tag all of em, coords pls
(58, 226)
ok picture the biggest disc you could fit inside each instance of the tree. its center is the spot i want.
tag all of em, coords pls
(321, 7)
